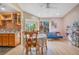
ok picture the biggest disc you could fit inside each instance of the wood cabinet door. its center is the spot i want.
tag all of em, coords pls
(5, 39)
(0, 39)
(11, 40)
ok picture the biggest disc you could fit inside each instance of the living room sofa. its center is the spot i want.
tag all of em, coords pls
(54, 35)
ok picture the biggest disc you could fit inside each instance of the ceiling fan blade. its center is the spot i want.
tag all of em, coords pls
(47, 5)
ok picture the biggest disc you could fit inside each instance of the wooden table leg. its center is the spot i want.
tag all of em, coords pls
(42, 50)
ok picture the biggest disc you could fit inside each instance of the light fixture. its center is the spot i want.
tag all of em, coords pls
(2, 8)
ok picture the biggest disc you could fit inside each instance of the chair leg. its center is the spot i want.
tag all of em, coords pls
(36, 51)
(46, 45)
(30, 50)
(27, 51)
(42, 50)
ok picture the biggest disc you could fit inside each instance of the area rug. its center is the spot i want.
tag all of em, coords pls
(4, 50)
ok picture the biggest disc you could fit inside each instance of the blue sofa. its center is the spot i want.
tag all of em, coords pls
(53, 35)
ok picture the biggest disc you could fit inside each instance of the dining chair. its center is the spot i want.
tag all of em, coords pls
(31, 42)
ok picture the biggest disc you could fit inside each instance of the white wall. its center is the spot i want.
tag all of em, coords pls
(72, 16)
(58, 22)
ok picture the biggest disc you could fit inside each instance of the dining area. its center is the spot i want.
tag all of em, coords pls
(35, 43)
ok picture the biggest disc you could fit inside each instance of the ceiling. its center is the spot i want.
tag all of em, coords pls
(4, 7)
(44, 10)
(41, 9)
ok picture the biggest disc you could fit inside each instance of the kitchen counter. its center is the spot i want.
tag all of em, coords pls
(9, 38)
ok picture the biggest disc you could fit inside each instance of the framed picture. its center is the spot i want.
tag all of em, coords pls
(44, 26)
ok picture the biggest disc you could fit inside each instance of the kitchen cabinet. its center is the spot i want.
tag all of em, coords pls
(1, 40)
(14, 17)
(5, 39)
(9, 39)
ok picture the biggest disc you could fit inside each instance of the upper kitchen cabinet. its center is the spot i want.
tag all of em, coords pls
(6, 16)
(17, 18)
(14, 17)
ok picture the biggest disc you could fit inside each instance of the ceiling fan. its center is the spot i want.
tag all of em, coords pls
(47, 5)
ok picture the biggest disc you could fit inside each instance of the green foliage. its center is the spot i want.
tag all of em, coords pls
(31, 26)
